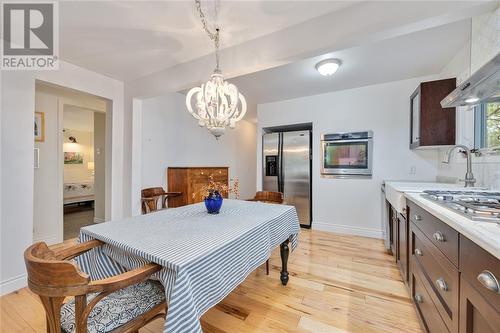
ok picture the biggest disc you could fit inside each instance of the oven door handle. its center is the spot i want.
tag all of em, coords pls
(347, 141)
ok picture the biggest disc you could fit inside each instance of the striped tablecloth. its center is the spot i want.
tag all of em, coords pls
(204, 257)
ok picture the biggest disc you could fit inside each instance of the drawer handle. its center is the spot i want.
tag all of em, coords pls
(419, 298)
(442, 284)
(438, 236)
(489, 281)
(417, 217)
(418, 252)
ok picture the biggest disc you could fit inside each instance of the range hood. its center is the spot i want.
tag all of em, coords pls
(482, 87)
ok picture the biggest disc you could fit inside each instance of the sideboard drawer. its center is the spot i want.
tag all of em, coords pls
(443, 236)
(476, 264)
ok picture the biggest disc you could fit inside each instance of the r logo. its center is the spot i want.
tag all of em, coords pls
(28, 29)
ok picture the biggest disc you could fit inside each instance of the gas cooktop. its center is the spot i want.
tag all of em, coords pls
(476, 205)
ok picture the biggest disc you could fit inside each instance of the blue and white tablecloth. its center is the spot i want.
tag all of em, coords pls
(204, 257)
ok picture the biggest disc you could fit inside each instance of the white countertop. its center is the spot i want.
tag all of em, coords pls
(419, 186)
(394, 191)
(484, 234)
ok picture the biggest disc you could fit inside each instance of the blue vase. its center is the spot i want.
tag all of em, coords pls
(213, 203)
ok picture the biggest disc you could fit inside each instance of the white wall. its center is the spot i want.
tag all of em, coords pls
(353, 205)
(17, 173)
(484, 44)
(172, 137)
(47, 194)
(17, 112)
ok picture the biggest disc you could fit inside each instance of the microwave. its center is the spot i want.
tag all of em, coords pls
(347, 154)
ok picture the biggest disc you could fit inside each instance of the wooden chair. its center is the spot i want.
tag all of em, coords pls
(122, 303)
(150, 197)
(268, 197)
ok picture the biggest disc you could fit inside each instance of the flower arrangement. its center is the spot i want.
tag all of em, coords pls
(217, 188)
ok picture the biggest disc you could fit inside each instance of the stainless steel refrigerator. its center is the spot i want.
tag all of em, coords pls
(287, 169)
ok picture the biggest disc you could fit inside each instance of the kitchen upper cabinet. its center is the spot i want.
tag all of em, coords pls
(430, 124)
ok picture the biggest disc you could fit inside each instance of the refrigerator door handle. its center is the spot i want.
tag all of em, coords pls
(281, 178)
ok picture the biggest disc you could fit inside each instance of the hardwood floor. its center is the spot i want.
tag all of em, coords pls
(338, 284)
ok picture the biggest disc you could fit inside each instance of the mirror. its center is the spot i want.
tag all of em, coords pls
(487, 126)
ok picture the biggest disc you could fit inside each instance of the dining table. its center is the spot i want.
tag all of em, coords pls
(203, 256)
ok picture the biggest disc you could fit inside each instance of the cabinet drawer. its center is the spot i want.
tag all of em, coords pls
(424, 304)
(443, 236)
(441, 275)
(475, 261)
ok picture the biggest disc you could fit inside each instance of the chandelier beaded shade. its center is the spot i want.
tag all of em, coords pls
(216, 104)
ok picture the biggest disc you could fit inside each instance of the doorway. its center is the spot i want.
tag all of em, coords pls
(70, 180)
(84, 160)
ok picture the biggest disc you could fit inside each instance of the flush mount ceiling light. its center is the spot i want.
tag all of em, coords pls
(328, 67)
(217, 103)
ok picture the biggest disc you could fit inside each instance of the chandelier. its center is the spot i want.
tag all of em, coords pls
(216, 104)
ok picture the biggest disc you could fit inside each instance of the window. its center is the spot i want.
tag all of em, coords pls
(487, 125)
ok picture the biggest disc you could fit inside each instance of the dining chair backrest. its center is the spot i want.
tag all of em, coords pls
(268, 196)
(150, 197)
(54, 277)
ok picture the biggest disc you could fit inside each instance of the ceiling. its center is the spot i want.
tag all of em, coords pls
(417, 54)
(130, 39)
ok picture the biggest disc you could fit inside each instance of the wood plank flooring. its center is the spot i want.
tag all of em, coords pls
(338, 284)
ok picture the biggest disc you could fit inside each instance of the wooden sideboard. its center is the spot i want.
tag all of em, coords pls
(189, 180)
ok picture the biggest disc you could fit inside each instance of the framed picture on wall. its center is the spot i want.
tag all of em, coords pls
(73, 157)
(39, 129)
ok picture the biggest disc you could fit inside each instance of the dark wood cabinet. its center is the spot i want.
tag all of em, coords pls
(399, 241)
(452, 280)
(479, 289)
(476, 314)
(430, 124)
(403, 246)
(189, 181)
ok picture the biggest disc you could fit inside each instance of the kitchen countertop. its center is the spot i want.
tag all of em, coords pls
(484, 234)
(420, 186)
(394, 191)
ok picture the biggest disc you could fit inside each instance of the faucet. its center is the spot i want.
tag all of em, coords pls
(469, 176)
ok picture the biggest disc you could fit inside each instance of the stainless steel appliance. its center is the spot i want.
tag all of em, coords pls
(481, 87)
(287, 169)
(347, 154)
(477, 206)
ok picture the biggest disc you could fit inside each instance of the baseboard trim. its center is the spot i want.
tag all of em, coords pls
(13, 284)
(99, 220)
(348, 230)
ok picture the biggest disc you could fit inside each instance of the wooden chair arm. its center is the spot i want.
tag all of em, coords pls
(68, 251)
(123, 280)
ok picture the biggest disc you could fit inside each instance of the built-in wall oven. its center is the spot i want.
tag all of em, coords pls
(347, 154)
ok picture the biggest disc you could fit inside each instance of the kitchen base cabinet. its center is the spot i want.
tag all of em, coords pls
(476, 315)
(403, 246)
(426, 309)
(479, 289)
(454, 283)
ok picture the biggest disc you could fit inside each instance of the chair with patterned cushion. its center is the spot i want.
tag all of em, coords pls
(121, 303)
(268, 197)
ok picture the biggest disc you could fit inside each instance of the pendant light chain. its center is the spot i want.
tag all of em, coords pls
(215, 36)
(216, 104)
